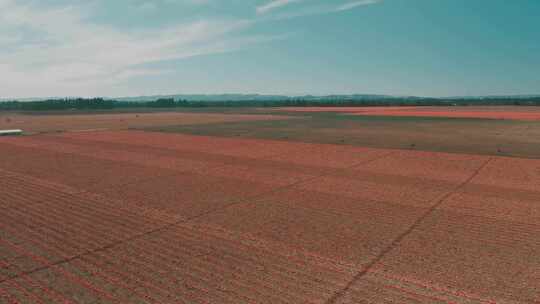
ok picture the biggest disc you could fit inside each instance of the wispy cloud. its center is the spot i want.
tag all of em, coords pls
(273, 5)
(308, 8)
(64, 48)
(57, 47)
(354, 4)
(154, 4)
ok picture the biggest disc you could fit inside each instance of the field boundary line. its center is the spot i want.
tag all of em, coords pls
(366, 269)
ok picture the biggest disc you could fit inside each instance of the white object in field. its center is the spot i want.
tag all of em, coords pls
(10, 132)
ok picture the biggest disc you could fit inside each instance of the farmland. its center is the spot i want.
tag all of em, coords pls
(60, 122)
(341, 126)
(486, 112)
(266, 206)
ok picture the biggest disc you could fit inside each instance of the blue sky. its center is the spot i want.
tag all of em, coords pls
(145, 47)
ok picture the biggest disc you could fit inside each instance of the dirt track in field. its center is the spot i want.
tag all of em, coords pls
(522, 113)
(47, 123)
(141, 217)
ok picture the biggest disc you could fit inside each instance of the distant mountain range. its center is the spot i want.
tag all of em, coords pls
(261, 97)
(255, 97)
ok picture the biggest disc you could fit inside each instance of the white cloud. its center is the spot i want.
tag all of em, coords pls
(308, 8)
(59, 50)
(273, 5)
(153, 4)
(354, 4)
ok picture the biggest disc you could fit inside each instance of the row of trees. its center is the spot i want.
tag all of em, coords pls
(60, 104)
(105, 104)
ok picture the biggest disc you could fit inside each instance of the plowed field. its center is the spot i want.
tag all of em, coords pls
(49, 123)
(148, 217)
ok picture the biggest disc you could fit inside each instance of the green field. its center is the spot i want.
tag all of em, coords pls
(455, 135)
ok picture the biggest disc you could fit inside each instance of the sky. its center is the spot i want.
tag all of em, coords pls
(293, 47)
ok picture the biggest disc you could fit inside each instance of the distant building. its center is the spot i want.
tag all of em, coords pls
(10, 132)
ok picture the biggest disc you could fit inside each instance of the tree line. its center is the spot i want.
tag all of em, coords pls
(107, 104)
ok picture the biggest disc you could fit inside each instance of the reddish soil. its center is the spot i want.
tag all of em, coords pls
(140, 217)
(503, 112)
(47, 123)
(342, 109)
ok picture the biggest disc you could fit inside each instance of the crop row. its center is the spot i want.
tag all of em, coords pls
(293, 152)
(141, 149)
(79, 203)
(383, 212)
(192, 164)
(232, 147)
(379, 272)
(35, 216)
(269, 176)
(177, 164)
(162, 248)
